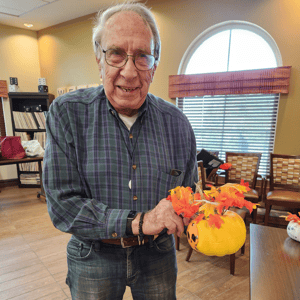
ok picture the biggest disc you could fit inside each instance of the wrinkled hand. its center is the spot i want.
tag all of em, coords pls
(163, 216)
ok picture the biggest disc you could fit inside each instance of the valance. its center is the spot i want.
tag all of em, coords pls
(263, 81)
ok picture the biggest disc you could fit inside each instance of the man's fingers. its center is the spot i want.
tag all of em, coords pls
(186, 221)
(163, 216)
(175, 224)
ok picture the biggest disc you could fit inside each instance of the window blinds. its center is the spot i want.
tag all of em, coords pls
(234, 123)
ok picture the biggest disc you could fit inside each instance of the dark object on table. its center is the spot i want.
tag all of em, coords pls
(43, 88)
(210, 161)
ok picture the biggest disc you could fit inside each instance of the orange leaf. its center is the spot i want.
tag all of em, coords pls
(246, 184)
(215, 220)
(199, 218)
(293, 218)
(225, 166)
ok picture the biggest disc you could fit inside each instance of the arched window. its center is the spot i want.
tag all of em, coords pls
(232, 123)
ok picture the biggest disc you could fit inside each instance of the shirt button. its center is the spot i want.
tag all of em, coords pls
(134, 197)
(130, 135)
(114, 234)
(133, 167)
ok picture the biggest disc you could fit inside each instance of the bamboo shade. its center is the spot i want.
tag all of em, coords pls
(3, 93)
(263, 81)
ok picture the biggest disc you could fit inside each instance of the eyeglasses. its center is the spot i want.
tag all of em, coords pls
(118, 58)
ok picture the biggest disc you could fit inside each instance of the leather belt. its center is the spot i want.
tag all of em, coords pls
(127, 242)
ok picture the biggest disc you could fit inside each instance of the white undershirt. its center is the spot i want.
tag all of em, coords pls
(128, 121)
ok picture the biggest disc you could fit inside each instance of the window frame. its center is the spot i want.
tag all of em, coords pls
(206, 34)
(229, 25)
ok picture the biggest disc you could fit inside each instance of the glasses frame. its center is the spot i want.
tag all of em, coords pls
(126, 60)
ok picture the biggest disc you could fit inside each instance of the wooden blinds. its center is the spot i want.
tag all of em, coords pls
(264, 81)
(3, 93)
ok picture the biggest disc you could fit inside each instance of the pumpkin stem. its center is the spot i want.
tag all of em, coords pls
(199, 190)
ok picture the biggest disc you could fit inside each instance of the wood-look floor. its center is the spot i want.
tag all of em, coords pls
(33, 258)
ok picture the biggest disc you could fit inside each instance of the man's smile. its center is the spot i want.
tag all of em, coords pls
(127, 89)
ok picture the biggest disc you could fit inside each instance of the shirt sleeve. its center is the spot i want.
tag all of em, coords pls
(70, 209)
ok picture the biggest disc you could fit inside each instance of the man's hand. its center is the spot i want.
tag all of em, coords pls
(162, 216)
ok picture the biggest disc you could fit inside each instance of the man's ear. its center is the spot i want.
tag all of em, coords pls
(99, 66)
(153, 71)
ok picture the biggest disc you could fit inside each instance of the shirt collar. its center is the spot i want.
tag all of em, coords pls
(142, 109)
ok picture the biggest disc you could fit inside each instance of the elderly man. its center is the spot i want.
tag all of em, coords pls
(112, 155)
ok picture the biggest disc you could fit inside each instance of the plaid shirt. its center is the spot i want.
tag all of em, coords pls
(91, 156)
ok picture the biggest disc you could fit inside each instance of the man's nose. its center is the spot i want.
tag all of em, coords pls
(129, 69)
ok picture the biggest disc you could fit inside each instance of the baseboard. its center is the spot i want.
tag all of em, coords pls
(8, 182)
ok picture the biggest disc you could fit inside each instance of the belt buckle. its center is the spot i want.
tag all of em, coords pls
(122, 244)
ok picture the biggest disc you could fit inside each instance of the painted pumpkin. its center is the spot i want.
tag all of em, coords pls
(210, 240)
(213, 229)
(293, 228)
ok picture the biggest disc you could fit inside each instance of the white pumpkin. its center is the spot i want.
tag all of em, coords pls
(293, 230)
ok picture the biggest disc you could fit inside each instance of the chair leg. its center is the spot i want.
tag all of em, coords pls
(232, 263)
(188, 256)
(254, 215)
(267, 213)
(243, 250)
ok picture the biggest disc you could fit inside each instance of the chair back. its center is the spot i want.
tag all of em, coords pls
(215, 153)
(244, 166)
(285, 171)
(201, 174)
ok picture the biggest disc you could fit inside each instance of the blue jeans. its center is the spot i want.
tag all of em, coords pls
(99, 271)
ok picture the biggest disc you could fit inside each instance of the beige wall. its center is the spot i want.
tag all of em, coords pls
(18, 58)
(66, 56)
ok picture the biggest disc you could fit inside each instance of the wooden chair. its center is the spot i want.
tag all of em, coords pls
(211, 174)
(205, 180)
(242, 213)
(284, 183)
(245, 166)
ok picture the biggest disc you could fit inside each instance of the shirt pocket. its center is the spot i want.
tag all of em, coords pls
(158, 183)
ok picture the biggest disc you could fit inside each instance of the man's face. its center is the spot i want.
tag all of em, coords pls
(126, 88)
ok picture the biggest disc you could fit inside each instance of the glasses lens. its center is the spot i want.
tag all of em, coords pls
(144, 61)
(115, 57)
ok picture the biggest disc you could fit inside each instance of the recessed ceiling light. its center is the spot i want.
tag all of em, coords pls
(28, 25)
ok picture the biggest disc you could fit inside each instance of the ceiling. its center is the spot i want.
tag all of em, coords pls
(46, 13)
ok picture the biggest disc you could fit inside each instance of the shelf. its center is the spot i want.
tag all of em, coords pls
(30, 130)
(30, 103)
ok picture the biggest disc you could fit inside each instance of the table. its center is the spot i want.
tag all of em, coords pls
(274, 264)
(38, 159)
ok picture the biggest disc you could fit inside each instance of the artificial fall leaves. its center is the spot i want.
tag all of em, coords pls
(293, 218)
(211, 204)
(184, 201)
(225, 166)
